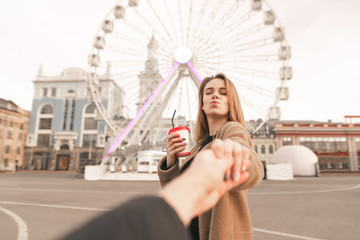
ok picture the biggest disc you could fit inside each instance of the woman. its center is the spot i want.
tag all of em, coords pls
(219, 116)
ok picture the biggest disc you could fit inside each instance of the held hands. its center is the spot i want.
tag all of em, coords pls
(175, 145)
(219, 170)
(201, 186)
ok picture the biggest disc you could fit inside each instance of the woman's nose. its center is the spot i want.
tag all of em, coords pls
(215, 95)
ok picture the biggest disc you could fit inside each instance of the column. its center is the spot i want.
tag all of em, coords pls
(353, 162)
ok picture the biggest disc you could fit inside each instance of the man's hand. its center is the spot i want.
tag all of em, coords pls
(219, 170)
(200, 187)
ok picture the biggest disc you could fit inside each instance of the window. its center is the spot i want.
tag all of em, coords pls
(18, 150)
(84, 155)
(53, 92)
(7, 149)
(87, 155)
(340, 165)
(29, 140)
(89, 139)
(44, 92)
(90, 108)
(262, 149)
(11, 123)
(21, 126)
(256, 148)
(101, 141)
(47, 109)
(72, 115)
(70, 93)
(65, 114)
(328, 164)
(20, 136)
(9, 134)
(6, 163)
(271, 149)
(45, 123)
(287, 141)
(43, 140)
(64, 147)
(90, 124)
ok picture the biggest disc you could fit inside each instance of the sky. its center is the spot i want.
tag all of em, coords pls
(324, 36)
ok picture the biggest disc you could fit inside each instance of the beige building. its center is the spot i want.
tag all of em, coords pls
(265, 148)
(13, 129)
(263, 140)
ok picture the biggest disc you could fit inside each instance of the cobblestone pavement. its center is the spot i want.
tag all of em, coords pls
(49, 204)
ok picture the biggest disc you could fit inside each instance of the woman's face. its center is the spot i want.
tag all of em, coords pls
(215, 100)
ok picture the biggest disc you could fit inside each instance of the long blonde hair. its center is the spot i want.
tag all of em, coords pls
(235, 110)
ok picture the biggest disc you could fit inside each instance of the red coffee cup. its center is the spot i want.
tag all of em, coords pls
(184, 133)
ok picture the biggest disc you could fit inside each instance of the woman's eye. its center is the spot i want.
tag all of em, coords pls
(224, 93)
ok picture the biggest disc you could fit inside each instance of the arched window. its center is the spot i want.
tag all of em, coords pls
(90, 108)
(90, 126)
(64, 147)
(45, 125)
(271, 149)
(45, 119)
(90, 122)
(47, 109)
(262, 149)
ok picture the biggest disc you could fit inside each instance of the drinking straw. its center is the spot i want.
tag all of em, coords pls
(172, 119)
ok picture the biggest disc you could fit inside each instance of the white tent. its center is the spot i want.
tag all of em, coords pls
(304, 161)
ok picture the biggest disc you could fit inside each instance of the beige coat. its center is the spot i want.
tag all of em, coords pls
(230, 217)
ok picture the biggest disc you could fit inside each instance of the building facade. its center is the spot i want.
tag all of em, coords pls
(65, 131)
(337, 145)
(263, 140)
(13, 129)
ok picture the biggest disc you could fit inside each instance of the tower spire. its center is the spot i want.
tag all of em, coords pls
(40, 72)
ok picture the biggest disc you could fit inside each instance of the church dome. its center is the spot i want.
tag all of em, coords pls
(302, 159)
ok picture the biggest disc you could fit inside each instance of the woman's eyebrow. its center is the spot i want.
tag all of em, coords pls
(212, 89)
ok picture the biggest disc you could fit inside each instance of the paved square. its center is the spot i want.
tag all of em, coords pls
(46, 205)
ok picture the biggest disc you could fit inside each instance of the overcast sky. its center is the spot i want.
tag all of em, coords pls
(324, 36)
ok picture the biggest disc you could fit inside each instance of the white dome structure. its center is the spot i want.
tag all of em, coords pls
(303, 160)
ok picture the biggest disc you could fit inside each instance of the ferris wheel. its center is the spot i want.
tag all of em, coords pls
(158, 52)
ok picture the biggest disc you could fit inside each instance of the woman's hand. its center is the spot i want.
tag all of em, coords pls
(201, 186)
(238, 160)
(175, 145)
(209, 167)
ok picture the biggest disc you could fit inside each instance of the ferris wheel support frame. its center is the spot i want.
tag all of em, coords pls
(138, 114)
(148, 120)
